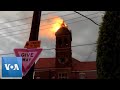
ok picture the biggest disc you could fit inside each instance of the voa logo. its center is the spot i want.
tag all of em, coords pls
(13, 67)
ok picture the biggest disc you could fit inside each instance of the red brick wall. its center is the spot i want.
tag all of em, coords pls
(42, 75)
(87, 75)
(51, 74)
(73, 75)
(91, 75)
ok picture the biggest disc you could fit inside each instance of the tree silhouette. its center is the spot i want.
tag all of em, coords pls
(108, 48)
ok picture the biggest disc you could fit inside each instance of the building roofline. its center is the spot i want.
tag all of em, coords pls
(85, 71)
(72, 58)
(49, 69)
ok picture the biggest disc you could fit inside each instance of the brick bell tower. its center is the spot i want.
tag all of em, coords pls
(63, 47)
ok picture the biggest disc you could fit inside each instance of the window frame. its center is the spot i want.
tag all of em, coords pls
(82, 75)
(37, 78)
(62, 75)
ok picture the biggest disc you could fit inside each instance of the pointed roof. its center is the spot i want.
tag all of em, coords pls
(63, 30)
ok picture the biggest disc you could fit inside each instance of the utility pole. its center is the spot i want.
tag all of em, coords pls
(34, 37)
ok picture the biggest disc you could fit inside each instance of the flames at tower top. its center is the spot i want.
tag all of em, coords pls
(51, 27)
(63, 24)
(58, 24)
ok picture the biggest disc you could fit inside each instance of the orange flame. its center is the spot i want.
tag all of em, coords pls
(58, 22)
(52, 26)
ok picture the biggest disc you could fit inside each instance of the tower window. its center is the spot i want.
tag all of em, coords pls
(61, 60)
(66, 41)
(59, 41)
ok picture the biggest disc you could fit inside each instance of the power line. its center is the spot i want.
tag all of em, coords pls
(90, 53)
(31, 18)
(86, 15)
(14, 26)
(21, 19)
(49, 19)
(47, 28)
(43, 13)
(87, 18)
(43, 20)
(84, 44)
(16, 20)
(72, 22)
(58, 16)
(15, 31)
(25, 18)
(66, 20)
(43, 25)
(49, 13)
(70, 14)
(29, 23)
(14, 34)
(59, 48)
(70, 19)
(54, 48)
(82, 20)
(29, 28)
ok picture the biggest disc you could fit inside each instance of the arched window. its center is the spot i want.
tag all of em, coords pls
(66, 41)
(61, 60)
(60, 42)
